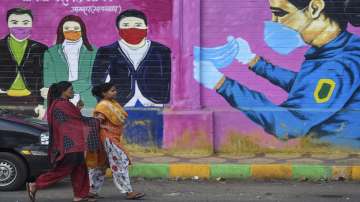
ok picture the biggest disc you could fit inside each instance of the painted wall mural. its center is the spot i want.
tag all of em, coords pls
(322, 96)
(78, 33)
(182, 69)
(71, 59)
(140, 68)
(21, 64)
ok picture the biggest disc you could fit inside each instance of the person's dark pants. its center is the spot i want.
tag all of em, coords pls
(72, 165)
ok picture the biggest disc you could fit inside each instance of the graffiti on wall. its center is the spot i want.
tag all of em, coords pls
(323, 96)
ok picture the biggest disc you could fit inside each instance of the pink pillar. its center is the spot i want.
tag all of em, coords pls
(186, 126)
(186, 33)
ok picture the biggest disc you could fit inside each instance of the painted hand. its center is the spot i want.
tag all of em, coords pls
(207, 74)
(80, 104)
(44, 91)
(220, 56)
(40, 111)
(245, 55)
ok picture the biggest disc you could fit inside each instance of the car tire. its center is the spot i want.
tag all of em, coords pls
(13, 172)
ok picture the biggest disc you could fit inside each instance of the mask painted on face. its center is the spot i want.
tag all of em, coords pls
(281, 38)
(133, 35)
(20, 33)
(72, 35)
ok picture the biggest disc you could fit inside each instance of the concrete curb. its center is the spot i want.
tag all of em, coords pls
(243, 171)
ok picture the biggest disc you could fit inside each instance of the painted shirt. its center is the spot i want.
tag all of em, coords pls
(18, 49)
(136, 56)
(71, 51)
(18, 87)
(323, 100)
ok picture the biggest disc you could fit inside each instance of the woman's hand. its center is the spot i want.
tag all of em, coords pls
(123, 116)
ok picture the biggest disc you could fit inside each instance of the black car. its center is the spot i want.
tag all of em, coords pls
(23, 150)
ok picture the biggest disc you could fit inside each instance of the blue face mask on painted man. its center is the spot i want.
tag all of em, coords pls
(281, 38)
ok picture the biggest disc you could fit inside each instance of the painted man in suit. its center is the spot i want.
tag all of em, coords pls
(139, 68)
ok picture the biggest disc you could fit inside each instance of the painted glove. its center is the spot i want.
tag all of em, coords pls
(206, 73)
(245, 55)
(220, 56)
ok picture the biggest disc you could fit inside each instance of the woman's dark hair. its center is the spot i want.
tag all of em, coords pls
(341, 11)
(130, 13)
(19, 11)
(56, 90)
(60, 34)
(98, 90)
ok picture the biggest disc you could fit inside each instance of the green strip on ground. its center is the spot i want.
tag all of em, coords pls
(311, 172)
(230, 171)
(149, 170)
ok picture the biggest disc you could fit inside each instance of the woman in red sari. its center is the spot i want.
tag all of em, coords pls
(69, 138)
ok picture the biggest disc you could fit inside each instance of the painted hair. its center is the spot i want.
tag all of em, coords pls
(19, 11)
(98, 90)
(130, 13)
(341, 11)
(56, 90)
(60, 34)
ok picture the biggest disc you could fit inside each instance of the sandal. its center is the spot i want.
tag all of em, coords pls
(30, 193)
(135, 196)
(87, 199)
(95, 196)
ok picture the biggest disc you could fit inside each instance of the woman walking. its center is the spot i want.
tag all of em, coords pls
(112, 117)
(68, 142)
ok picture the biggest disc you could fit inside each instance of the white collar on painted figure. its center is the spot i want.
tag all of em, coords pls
(73, 44)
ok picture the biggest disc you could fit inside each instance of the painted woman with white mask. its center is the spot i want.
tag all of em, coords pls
(71, 59)
(323, 96)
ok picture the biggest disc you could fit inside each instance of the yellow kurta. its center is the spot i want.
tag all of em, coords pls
(113, 116)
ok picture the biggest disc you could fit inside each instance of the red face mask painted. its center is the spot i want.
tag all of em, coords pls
(133, 35)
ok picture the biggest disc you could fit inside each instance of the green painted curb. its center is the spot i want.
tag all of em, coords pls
(230, 171)
(311, 172)
(149, 170)
(234, 171)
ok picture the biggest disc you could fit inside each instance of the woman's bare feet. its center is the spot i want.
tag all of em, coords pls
(31, 190)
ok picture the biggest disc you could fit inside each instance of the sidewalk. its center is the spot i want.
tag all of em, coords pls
(258, 166)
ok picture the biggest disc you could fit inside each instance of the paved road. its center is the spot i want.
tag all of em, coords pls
(163, 191)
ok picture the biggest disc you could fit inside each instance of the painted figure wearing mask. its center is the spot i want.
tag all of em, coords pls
(140, 68)
(323, 97)
(71, 59)
(21, 65)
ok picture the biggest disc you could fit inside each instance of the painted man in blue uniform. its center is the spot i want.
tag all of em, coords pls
(324, 96)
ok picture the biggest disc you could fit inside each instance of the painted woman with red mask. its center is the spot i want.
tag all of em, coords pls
(71, 59)
(140, 68)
